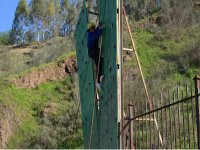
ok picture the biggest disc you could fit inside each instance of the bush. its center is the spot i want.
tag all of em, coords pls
(4, 38)
(57, 131)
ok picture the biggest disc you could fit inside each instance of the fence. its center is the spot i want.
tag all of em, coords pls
(173, 122)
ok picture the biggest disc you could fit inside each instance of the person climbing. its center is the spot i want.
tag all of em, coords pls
(93, 35)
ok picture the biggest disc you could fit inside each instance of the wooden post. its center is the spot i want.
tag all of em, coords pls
(197, 98)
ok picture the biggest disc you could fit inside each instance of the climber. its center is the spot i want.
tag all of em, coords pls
(93, 35)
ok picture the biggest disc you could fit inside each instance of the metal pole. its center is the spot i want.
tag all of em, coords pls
(197, 98)
(130, 130)
(120, 70)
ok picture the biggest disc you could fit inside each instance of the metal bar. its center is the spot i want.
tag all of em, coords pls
(130, 127)
(139, 129)
(142, 130)
(132, 131)
(188, 118)
(146, 127)
(197, 91)
(154, 138)
(179, 128)
(193, 120)
(150, 133)
(174, 114)
(120, 70)
(183, 122)
(170, 123)
(162, 133)
(157, 116)
(166, 124)
(135, 129)
(166, 106)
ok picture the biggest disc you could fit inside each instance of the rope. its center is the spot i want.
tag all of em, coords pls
(141, 72)
(95, 99)
(91, 130)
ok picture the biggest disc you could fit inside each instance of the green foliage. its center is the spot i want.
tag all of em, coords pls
(5, 38)
(20, 23)
(14, 60)
(22, 8)
(50, 9)
(37, 10)
(46, 116)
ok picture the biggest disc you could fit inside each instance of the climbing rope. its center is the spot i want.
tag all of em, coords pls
(95, 96)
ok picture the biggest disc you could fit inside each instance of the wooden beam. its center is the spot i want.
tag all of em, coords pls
(145, 119)
(128, 49)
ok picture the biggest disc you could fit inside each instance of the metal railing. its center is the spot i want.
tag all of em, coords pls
(173, 123)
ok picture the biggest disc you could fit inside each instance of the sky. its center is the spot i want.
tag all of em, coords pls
(7, 12)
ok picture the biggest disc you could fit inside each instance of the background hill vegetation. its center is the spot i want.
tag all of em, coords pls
(167, 35)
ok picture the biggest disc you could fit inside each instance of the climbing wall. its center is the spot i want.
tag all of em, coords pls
(108, 104)
(105, 122)
(86, 83)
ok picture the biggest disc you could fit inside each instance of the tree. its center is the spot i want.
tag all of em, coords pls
(50, 18)
(37, 16)
(69, 11)
(20, 23)
(64, 12)
(57, 18)
(4, 38)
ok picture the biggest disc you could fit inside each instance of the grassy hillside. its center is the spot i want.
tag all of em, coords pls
(15, 59)
(44, 117)
(168, 59)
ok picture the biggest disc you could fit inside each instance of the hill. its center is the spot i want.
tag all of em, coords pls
(39, 89)
(15, 59)
(40, 116)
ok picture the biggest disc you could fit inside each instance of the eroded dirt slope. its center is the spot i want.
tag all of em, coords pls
(47, 73)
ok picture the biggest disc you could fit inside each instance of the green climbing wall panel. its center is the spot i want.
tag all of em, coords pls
(108, 104)
(105, 122)
(86, 83)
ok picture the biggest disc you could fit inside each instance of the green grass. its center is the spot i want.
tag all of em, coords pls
(14, 61)
(160, 52)
(25, 103)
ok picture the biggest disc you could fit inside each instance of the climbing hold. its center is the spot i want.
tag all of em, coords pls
(110, 68)
(115, 119)
(111, 95)
(82, 43)
(86, 119)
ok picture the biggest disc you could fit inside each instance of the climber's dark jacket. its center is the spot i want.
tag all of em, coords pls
(92, 41)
